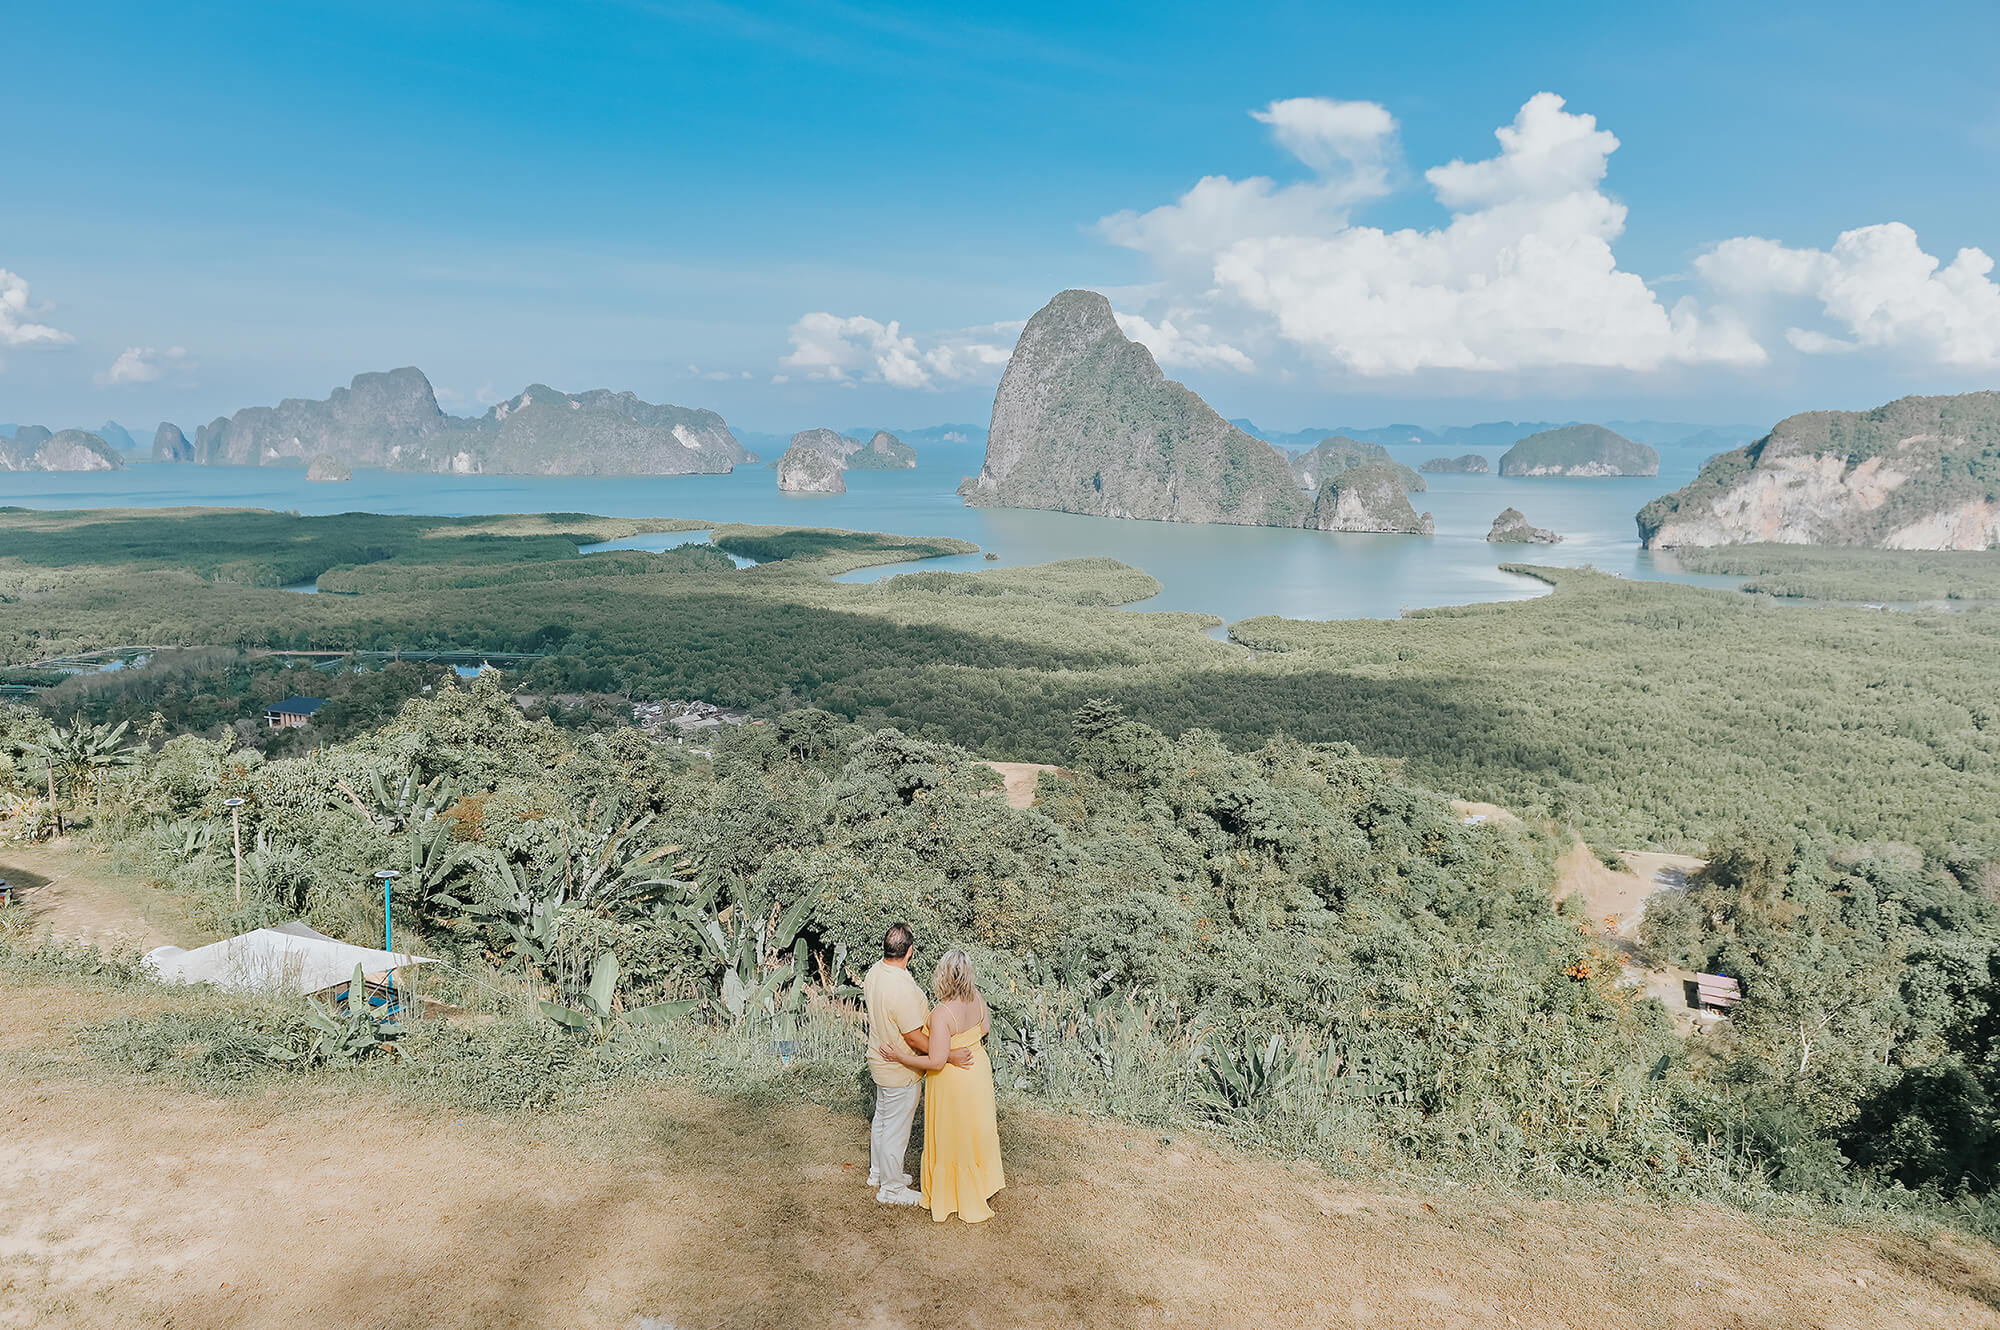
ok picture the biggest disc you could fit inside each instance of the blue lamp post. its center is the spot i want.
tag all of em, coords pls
(386, 876)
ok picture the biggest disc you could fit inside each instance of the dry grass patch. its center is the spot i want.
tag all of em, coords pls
(129, 1204)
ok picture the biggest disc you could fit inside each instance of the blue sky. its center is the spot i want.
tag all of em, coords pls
(210, 206)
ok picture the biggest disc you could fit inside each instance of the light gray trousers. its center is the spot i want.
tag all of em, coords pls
(889, 1137)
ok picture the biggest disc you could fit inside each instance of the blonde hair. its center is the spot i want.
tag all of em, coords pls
(952, 980)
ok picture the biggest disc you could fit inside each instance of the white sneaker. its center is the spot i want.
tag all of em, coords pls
(874, 1180)
(899, 1195)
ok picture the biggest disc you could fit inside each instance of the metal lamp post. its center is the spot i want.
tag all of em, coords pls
(235, 807)
(385, 877)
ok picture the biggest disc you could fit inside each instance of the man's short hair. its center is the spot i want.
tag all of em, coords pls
(896, 943)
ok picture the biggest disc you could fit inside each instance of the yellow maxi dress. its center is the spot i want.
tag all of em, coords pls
(961, 1139)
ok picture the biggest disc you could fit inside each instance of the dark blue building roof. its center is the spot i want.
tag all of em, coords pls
(297, 706)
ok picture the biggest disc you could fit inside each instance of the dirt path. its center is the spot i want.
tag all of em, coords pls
(79, 896)
(1020, 778)
(123, 1204)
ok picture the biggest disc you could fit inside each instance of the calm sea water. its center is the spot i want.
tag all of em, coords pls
(1231, 572)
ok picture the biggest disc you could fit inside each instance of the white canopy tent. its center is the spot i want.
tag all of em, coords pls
(290, 958)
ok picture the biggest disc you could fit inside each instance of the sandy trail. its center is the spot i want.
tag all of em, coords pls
(81, 898)
(124, 1204)
(1020, 778)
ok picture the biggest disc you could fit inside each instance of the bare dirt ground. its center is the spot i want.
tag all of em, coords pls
(1486, 812)
(1616, 902)
(127, 1204)
(1617, 899)
(1021, 778)
(79, 896)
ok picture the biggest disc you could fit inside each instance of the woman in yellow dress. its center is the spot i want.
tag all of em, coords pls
(961, 1139)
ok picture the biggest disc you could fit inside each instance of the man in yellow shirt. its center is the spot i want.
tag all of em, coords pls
(897, 1014)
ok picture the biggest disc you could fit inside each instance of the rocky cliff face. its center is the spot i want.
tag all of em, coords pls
(392, 420)
(1511, 527)
(1085, 422)
(1579, 450)
(1921, 473)
(1367, 498)
(34, 448)
(812, 464)
(1471, 464)
(170, 445)
(1328, 458)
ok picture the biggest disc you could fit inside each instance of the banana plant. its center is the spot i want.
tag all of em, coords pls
(393, 804)
(349, 1037)
(750, 936)
(597, 1015)
(528, 919)
(614, 873)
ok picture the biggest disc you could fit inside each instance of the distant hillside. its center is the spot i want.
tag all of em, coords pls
(392, 420)
(1921, 473)
(1307, 438)
(926, 436)
(115, 434)
(1504, 433)
(1471, 464)
(1579, 450)
(1085, 422)
(35, 448)
(1495, 433)
(1682, 433)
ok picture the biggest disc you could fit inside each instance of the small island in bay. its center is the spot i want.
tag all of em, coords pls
(324, 469)
(1330, 457)
(1370, 497)
(170, 445)
(1579, 450)
(1471, 464)
(1085, 422)
(1512, 527)
(812, 464)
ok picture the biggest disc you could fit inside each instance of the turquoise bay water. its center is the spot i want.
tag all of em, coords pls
(1230, 572)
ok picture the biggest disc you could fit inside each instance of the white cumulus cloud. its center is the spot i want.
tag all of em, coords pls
(144, 364)
(18, 316)
(1876, 289)
(1522, 277)
(1195, 346)
(857, 349)
(1351, 147)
